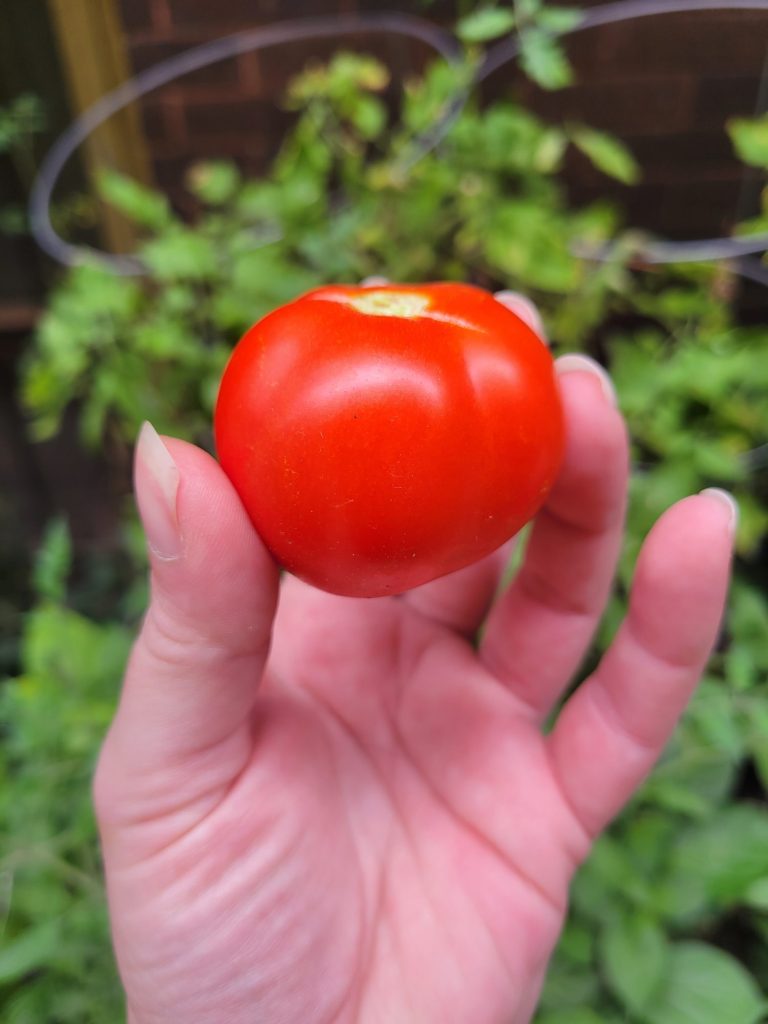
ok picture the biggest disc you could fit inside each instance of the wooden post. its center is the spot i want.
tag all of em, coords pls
(93, 55)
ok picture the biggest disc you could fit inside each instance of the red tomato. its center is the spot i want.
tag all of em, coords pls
(382, 437)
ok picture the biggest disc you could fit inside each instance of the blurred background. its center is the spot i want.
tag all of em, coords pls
(401, 139)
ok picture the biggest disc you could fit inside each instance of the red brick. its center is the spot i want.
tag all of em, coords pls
(717, 99)
(242, 13)
(248, 118)
(679, 212)
(232, 146)
(227, 13)
(439, 11)
(146, 55)
(135, 15)
(169, 170)
(687, 158)
(717, 42)
(161, 15)
(627, 107)
(709, 208)
(153, 114)
(249, 73)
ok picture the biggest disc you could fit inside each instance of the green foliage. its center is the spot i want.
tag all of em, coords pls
(750, 139)
(542, 57)
(55, 928)
(143, 206)
(650, 939)
(54, 561)
(606, 153)
(20, 121)
(485, 24)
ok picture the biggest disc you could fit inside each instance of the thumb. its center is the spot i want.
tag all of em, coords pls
(192, 679)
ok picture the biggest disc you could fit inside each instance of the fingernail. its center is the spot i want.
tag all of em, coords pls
(524, 308)
(374, 281)
(728, 500)
(156, 478)
(575, 362)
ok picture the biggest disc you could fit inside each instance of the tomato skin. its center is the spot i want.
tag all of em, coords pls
(375, 452)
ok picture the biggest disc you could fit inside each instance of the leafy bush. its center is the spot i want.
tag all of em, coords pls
(670, 917)
(55, 960)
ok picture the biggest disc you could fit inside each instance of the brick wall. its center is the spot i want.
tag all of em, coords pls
(231, 109)
(665, 85)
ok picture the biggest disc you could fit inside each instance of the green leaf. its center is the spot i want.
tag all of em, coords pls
(144, 206)
(607, 154)
(485, 24)
(181, 254)
(215, 182)
(705, 986)
(549, 151)
(757, 894)
(750, 139)
(727, 854)
(577, 944)
(369, 116)
(569, 986)
(30, 950)
(582, 1015)
(53, 562)
(634, 956)
(714, 716)
(523, 241)
(559, 19)
(528, 10)
(543, 59)
(691, 779)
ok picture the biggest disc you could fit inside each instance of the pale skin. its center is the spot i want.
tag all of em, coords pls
(318, 809)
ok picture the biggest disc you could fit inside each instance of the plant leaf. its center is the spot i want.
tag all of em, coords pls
(606, 153)
(705, 986)
(140, 204)
(730, 852)
(559, 19)
(543, 59)
(485, 24)
(33, 948)
(53, 561)
(634, 955)
(750, 139)
(181, 254)
(215, 182)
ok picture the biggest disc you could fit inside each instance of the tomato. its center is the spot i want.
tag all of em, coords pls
(381, 437)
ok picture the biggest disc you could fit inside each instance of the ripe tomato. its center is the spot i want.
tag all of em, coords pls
(382, 437)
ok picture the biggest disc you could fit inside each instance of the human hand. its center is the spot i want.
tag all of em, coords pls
(324, 809)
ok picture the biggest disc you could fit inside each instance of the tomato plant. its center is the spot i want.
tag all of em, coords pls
(381, 437)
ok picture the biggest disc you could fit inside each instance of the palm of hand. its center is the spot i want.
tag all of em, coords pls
(379, 831)
(396, 822)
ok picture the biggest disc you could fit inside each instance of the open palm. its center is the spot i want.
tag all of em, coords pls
(350, 811)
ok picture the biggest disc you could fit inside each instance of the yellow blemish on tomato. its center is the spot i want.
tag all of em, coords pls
(406, 305)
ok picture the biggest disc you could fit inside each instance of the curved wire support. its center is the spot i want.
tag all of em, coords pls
(707, 249)
(328, 27)
(166, 71)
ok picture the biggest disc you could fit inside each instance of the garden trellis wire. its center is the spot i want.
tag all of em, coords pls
(443, 43)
